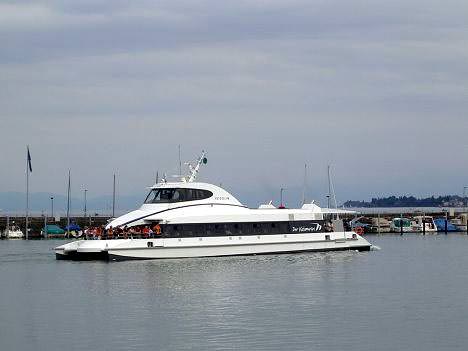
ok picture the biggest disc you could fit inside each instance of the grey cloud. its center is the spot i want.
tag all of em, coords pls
(72, 28)
(264, 86)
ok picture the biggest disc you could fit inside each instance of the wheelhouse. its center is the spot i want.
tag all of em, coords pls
(171, 195)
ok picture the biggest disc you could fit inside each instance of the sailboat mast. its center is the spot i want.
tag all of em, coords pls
(180, 164)
(329, 187)
(68, 204)
(331, 190)
(27, 192)
(304, 185)
(113, 199)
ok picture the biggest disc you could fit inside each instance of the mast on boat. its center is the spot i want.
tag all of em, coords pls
(28, 169)
(180, 164)
(331, 191)
(68, 205)
(202, 160)
(304, 186)
(113, 199)
(329, 187)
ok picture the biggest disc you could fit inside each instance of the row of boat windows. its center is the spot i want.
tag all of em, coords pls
(169, 195)
(226, 229)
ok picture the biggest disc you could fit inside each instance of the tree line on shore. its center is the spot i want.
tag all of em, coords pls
(410, 201)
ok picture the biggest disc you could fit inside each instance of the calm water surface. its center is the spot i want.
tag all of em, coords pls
(410, 295)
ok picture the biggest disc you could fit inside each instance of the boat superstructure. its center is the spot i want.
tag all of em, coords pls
(194, 219)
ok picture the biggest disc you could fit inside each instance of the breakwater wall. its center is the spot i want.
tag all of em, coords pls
(377, 218)
(36, 223)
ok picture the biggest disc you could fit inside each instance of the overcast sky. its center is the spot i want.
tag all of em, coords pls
(378, 89)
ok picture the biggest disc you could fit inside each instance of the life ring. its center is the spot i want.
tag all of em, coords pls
(157, 229)
(359, 230)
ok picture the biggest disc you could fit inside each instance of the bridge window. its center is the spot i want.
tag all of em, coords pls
(170, 195)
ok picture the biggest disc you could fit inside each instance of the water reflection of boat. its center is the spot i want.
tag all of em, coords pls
(192, 219)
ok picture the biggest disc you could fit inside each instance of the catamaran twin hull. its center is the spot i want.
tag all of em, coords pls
(193, 219)
(161, 248)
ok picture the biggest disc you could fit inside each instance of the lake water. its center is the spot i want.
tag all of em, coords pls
(410, 295)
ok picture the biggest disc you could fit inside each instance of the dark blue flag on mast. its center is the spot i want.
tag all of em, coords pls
(29, 161)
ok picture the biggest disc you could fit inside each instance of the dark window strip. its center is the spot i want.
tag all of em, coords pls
(246, 228)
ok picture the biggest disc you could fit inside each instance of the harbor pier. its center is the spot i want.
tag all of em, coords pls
(379, 220)
(37, 222)
(365, 220)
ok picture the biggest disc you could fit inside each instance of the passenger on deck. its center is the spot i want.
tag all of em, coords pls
(118, 232)
(157, 229)
(98, 233)
(145, 231)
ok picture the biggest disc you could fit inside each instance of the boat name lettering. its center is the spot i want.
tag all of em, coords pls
(315, 227)
(222, 198)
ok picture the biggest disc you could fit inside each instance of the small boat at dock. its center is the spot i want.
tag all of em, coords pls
(440, 224)
(424, 224)
(13, 232)
(380, 225)
(401, 224)
(460, 222)
(53, 231)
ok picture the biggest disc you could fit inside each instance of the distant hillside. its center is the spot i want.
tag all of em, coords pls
(16, 202)
(410, 201)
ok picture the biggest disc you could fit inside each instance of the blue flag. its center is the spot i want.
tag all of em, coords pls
(29, 161)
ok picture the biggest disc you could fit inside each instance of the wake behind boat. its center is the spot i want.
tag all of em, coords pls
(193, 219)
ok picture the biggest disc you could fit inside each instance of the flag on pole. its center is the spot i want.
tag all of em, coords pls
(29, 161)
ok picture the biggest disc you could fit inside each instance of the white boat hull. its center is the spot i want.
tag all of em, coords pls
(429, 230)
(160, 248)
(13, 235)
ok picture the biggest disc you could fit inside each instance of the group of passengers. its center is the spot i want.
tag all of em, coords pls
(142, 231)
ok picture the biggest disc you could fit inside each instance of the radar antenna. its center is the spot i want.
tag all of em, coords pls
(194, 170)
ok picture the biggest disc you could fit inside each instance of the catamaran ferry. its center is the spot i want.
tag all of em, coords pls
(194, 219)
